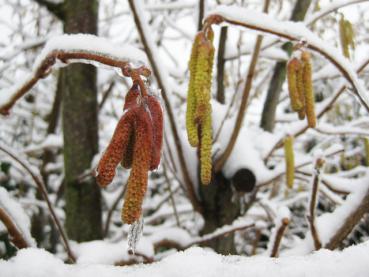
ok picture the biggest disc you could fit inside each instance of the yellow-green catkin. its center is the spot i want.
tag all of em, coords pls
(366, 145)
(346, 36)
(308, 89)
(290, 161)
(205, 149)
(292, 72)
(203, 80)
(191, 95)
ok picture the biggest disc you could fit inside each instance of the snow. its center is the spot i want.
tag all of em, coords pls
(109, 253)
(93, 44)
(197, 262)
(17, 214)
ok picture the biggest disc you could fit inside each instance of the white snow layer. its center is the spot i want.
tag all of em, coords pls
(196, 262)
(17, 214)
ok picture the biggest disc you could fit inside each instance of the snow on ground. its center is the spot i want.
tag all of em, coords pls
(196, 262)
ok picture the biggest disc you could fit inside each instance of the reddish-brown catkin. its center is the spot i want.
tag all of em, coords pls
(131, 98)
(156, 114)
(292, 77)
(137, 182)
(308, 89)
(115, 150)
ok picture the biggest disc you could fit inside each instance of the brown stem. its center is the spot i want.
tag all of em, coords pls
(171, 195)
(313, 203)
(42, 189)
(187, 180)
(278, 237)
(16, 236)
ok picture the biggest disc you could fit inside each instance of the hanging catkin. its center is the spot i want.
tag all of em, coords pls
(205, 150)
(308, 89)
(293, 67)
(198, 114)
(191, 94)
(290, 161)
(136, 143)
(346, 36)
(137, 182)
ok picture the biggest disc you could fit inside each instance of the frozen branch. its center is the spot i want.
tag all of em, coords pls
(71, 49)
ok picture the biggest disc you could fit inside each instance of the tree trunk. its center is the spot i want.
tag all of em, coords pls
(279, 74)
(219, 209)
(83, 203)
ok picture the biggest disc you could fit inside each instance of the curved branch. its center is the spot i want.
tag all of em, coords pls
(43, 191)
(293, 32)
(71, 51)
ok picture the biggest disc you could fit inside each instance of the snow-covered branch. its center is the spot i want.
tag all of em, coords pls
(76, 49)
(293, 32)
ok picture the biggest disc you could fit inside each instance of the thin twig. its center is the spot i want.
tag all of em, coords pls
(313, 202)
(278, 237)
(171, 195)
(42, 189)
(112, 209)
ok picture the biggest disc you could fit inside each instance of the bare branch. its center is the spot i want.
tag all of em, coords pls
(278, 237)
(43, 191)
(16, 236)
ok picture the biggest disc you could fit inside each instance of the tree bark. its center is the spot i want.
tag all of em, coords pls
(279, 74)
(83, 199)
(219, 209)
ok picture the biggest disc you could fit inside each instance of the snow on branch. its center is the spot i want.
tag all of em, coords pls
(294, 32)
(16, 221)
(80, 48)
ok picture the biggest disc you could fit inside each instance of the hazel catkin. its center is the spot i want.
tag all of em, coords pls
(114, 152)
(308, 89)
(290, 161)
(137, 182)
(293, 67)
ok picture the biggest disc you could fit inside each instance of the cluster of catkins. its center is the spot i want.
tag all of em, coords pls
(136, 144)
(300, 87)
(198, 115)
(346, 36)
